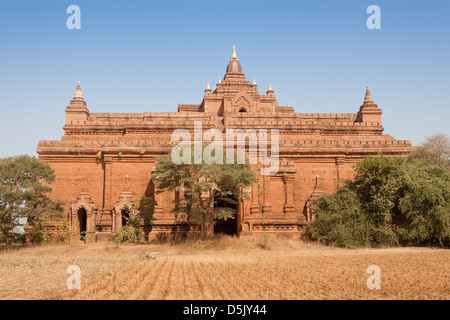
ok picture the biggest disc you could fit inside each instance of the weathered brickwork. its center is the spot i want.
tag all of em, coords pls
(105, 160)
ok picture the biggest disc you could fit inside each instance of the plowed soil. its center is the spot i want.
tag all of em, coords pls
(225, 269)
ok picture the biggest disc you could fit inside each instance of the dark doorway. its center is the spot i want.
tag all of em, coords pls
(125, 217)
(82, 222)
(228, 226)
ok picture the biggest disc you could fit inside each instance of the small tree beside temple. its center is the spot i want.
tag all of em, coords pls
(25, 184)
(200, 183)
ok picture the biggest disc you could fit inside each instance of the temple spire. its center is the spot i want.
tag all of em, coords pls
(219, 81)
(270, 90)
(369, 111)
(78, 93)
(234, 69)
(368, 98)
(208, 88)
(254, 82)
(77, 110)
(233, 54)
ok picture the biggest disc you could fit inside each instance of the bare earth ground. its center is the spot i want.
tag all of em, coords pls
(225, 268)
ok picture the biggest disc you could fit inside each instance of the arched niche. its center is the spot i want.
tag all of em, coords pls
(125, 198)
(83, 214)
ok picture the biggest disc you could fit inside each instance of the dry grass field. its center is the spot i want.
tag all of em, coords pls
(225, 268)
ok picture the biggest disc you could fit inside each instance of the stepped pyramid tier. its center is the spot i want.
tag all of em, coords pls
(316, 152)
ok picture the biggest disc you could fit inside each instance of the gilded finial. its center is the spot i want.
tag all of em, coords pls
(219, 81)
(233, 54)
(254, 82)
(270, 87)
(207, 86)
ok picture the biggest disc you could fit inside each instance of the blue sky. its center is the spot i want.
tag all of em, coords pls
(140, 56)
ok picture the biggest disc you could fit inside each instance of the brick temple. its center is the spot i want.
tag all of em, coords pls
(105, 160)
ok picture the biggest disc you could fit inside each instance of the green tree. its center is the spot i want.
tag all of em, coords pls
(378, 183)
(339, 220)
(389, 201)
(424, 205)
(24, 194)
(200, 184)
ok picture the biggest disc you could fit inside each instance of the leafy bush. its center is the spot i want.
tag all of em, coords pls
(425, 205)
(390, 201)
(340, 221)
(138, 211)
(64, 232)
(265, 242)
(38, 233)
(125, 234)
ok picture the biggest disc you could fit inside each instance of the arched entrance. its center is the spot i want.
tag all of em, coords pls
(82, 218)
(119, 211)
(83, 215)
(228, 226)
(125, 217)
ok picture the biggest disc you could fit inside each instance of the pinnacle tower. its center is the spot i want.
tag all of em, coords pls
(368, 98)
(78, 94)
(234, 68)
